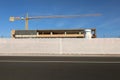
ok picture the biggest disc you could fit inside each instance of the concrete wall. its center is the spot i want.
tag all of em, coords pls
(60, 46)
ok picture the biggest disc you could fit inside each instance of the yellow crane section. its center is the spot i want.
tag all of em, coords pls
(12, 19)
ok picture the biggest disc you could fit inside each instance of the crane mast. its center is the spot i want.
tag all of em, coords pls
(26, 21)
(27, 18)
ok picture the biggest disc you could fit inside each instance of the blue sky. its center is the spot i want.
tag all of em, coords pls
(107, 25)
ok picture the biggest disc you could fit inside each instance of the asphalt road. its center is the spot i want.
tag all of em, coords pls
(59, 68)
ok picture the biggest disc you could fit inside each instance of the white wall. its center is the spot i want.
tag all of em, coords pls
(58, 46)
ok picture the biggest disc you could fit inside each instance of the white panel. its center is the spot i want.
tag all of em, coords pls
(58, 46)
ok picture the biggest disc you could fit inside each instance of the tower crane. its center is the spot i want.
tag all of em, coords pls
(27, 18)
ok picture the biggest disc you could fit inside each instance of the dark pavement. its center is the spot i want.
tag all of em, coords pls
(59, 68)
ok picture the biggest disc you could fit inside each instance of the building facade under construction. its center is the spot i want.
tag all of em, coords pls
(69, 33)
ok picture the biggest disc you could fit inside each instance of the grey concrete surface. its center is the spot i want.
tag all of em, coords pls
(60, 46)
(25, 69)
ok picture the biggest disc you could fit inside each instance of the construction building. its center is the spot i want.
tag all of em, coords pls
(70, 33)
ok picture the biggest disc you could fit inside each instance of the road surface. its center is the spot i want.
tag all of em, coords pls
(59, 68)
